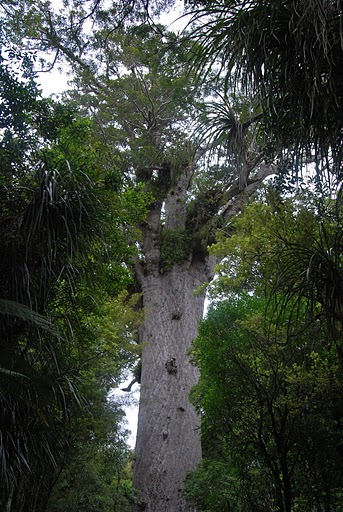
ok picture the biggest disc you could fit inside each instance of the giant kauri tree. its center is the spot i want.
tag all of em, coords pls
(135, 83)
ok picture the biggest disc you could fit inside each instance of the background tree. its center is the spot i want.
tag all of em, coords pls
(61, 237)
(289, 249)
(271, 363)
(271, 413)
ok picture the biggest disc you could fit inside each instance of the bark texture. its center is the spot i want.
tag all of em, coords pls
(168, 437)
(168, 440)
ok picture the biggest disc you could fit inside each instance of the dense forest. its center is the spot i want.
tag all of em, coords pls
(199, 159)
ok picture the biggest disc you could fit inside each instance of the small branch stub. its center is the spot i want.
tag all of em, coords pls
(171, 366)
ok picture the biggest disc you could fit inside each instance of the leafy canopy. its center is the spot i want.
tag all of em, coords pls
(269, 404)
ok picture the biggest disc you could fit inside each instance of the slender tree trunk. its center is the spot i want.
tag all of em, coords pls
(168, 441)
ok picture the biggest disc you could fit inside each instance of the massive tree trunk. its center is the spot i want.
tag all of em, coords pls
(168, 440)
(168, 437)
(174, 263)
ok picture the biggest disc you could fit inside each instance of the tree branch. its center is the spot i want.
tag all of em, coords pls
(236, 198)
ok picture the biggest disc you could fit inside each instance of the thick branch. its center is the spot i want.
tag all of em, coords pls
(235, 198)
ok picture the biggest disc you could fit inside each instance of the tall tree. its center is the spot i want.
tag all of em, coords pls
(135, 84)
(271, 361)
(271, 412)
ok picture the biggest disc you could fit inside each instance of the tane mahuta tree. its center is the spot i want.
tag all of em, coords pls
(145, 110)
(135, 84)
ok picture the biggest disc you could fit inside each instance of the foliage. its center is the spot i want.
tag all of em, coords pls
(96, 472)
(290, 250)
(74, 17)
(62, 253)
(71, 214)
(251, 246)
(230, 123)
(271, 411)
(135, 83)
(175, 247)
(271, 361)
(143, 104)
(288, 55)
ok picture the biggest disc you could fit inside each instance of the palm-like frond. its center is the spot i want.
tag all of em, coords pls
(51, 219)
(60, 220)
(314, 276)
(54, 211)
(62, 210)
(24, 313)
(36, 400)
(287, 52)
(220, 126)
(230, 129)
(11, 373)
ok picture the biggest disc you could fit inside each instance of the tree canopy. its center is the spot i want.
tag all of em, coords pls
(270, 413)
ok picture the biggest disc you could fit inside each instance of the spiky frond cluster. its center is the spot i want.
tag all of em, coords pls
(290, 54)
(54, 211)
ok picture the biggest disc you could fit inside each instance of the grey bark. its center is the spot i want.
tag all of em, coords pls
(168, 441)
(168, 437)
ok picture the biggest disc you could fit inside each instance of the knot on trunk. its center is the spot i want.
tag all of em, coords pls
(177, 315)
